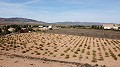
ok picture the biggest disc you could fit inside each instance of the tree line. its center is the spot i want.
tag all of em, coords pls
(18, 28)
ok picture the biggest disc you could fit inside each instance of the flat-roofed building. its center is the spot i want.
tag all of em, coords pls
(111, 26)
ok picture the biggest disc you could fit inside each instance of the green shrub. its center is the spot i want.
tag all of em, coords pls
(74, 56)
(37, 53)
(67, 56)
(119, 55)
(62, 54)
(23, 51)
(88, 53)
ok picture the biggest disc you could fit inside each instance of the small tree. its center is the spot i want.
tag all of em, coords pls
(6, 31)
(17, 29)
(0, 30)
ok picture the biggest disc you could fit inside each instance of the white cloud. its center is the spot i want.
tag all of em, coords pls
(61, 13)
(15, 8)
(31, 2)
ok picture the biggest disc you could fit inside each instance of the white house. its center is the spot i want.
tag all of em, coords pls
(11, 29)
(49, 26)
(111, 26)
(40, 26)
(23, 28)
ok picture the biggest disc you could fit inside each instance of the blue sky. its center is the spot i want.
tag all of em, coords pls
(107, 11)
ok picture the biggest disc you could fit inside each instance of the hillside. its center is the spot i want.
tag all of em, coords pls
(19, 21)
(79, 23)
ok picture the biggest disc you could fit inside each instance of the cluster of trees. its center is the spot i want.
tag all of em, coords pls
(17, 28)
(4, 30)
(0, 30)
(86, 27)
(79, 26)
(97, 27)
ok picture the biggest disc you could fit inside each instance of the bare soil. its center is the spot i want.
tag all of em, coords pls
(88, 32)
(62, 48)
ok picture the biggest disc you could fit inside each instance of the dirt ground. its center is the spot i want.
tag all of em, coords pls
(59, 47)
(12, 61)
(88, 32)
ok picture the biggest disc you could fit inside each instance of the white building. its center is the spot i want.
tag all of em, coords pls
(11, 29)
(111, 26)
(40, 26)
(23, 28)
(49, 26)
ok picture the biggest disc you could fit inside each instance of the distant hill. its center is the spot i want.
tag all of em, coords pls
(79, 23)
(19, 21)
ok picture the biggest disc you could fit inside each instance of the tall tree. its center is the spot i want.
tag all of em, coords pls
(6, 30)
(17, 29)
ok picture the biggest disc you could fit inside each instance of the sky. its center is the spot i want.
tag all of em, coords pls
(104, 11)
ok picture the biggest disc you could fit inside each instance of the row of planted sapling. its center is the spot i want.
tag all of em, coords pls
(68, 47)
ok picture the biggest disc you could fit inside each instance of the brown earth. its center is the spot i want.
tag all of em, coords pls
(88, 32)
(59, 47)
